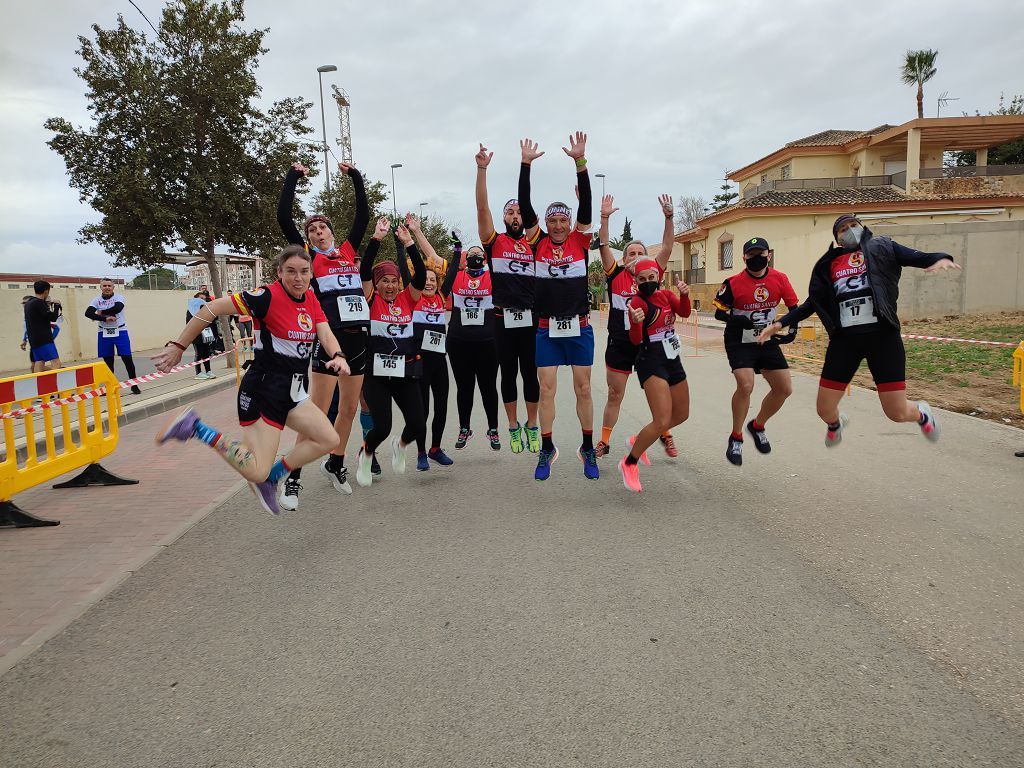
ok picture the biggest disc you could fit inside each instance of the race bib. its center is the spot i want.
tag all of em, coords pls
(433, 341)
(353, 308)
(207, 336)
(518, 318)
(298, 389)
(750, 334)
(564, 327)
(671, 346)
(474, 316)
(857, 312)
(110, 333)
(388, 365)
(626, 322)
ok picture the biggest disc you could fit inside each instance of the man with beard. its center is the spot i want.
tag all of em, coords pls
(510, 260)
(107, 309)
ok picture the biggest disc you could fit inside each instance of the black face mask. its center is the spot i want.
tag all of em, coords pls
(647, 289)
(474, 262)
(757, 263)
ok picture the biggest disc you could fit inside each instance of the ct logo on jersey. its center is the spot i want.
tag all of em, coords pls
(474, 283)
(761, 293)
(856, 259)
(305, 321)
(519, 247)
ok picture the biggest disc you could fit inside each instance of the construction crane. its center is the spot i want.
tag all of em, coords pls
(345, 139)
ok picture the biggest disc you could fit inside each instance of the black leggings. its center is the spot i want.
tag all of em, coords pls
(379, 391)
(517, 353)
(129, 364)
(475, 361)
(202, 352)
(435, 379)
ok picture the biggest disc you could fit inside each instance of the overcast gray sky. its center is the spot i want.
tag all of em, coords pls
(670, 93)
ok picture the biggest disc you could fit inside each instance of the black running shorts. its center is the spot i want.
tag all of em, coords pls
(266, 396)
(354, 344)
(620, 355)
(760, 357)
(882, 348)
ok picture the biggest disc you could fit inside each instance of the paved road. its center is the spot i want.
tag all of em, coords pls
(854, 607)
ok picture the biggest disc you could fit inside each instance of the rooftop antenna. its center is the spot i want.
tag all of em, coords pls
(943, 100)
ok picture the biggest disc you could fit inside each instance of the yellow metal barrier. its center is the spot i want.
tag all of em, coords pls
(1018, 372)
(94, 441)
(243, 353)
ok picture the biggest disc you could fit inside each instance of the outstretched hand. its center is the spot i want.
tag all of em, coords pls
(301, 168)
(404, 236)
(412, 223)
(483, 157)
(167, 358)
(382, 228)
(769, 331)
(530, 150)
(942, 266)
(665, 201)
(577, 145)
(608, 208)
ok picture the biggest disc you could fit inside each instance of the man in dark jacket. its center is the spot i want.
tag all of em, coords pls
(854, 290)
(40, 312)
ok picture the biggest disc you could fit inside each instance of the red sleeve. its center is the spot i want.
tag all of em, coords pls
(636, 331)
(788, 294)
(680, 304)
(318, 311)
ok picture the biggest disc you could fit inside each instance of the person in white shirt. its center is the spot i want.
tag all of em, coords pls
(107, 309)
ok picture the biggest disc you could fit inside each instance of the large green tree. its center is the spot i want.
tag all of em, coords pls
(179, 154)
(918, 68)
(156, 279)
(725, 197)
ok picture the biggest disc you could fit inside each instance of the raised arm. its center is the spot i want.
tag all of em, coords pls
(286, 201)
(419, 269)
(577, 151)
(370, 254)
(449, 279)
(429, 254)
(362, 217)
(484, 219)
(530, 152)
(680, 304)
(607, 257)
(668, 235)
(403, 262)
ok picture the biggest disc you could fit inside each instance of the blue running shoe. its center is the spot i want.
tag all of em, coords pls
(589, 459)
(181, 427)
(544, 461)
(438, 455)
(422, 465)
(266, 495)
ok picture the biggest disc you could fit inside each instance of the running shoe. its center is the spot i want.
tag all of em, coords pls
(734, 452)
(181, 427)
(544, 461)
(930, 427)
(834, 437)
(760, 438)
(464, 434)
(515, 439)
(494, 439)
(201, 377)
(630, 475)
(589, 459)
(290, 494)
(266, 495)
(644, 458)
(364, 475)
(438, 455)
(375, 465)
(339, 477)
(211, 375)
(533, 439)
(398, 455)
(136, 390)
(669, 445)
(602, 448)
(422, 465)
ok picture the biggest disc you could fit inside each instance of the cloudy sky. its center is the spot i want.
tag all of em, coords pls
(670, 93)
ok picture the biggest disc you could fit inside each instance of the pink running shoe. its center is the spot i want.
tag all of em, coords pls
(834, 437)
(644, 459)
(630, 475)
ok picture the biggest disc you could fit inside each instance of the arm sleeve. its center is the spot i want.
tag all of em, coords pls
(419, 270)
(789, 295)
(680, 304)
(794, 316)
(253, 303)
(723, 299)
(403, 262)
(284, 208)
(636, 330)
(449, 279)
(362, 218)
(116, 309)
(369, 256)
(585, 216)
(90, 312)
(908, 257)
(525, 206)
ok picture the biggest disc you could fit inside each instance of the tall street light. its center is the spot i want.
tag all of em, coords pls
(394, 201)
(421, 209)
(601, 177)
(323, 122)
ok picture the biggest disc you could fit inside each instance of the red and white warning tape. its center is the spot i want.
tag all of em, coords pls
(958, 341)
(88, 395)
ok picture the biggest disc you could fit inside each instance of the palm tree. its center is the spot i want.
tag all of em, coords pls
(919, 68)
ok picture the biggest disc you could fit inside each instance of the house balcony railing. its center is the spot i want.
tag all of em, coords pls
(966, 171)
(841, 182)
(694, 276)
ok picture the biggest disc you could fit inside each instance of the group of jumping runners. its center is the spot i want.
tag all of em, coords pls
(339, 326)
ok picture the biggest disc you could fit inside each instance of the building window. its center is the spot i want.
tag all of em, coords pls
(764, 177)
(695, 261)
(787, 171)
(725, 255)
(13, 285)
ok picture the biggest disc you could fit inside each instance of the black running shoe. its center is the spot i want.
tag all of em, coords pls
(734, 452)
(760, 439)
(374, 466)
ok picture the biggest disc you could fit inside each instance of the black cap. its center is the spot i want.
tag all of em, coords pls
(842, 220)
(754, 244)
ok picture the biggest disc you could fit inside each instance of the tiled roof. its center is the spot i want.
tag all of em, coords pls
(833, 137)
(826, 196)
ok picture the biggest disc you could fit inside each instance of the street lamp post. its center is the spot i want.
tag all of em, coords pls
(421, 209)
(394, 201)
(601, 177)
(323, 122)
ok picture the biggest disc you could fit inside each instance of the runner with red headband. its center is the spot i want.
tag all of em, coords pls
(653, 314)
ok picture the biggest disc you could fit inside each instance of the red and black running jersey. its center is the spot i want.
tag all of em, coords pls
(852, 286)
(754, 297)
(561, 289)
(512, 270)
(472, 293)
(662, 309)
(428, 315)
(391, 329)
(621, 289)
(335, 276)
(284, 327)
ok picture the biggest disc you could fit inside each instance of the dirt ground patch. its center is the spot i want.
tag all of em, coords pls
(967, 378)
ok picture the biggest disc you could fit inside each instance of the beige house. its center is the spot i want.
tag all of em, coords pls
(892, 177)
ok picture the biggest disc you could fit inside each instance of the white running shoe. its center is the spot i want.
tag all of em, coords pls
(835, 437)
(290, 494)
(398, 455)
(930, 428)
(364, 469)
(339, 478)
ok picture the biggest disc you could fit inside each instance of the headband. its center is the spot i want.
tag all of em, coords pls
(643, 264)
(315, 218)
(385, 268)
(558, 209)
(508, 205)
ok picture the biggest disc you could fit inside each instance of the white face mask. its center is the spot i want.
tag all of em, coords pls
(851, 237)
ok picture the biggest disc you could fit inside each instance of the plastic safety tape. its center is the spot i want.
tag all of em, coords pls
(958, 341)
